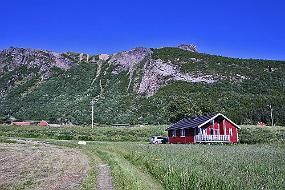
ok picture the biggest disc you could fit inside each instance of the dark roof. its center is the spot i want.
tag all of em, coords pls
(191, 122)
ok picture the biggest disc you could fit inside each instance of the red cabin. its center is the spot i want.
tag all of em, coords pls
(204, 129)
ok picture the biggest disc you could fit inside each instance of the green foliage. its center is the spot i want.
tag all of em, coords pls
(255, 134)
(3, 119)
(241, 107)
(180, 107)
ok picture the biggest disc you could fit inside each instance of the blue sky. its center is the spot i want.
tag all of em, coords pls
(241, 28)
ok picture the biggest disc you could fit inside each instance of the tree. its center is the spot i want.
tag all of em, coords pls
(180, 107)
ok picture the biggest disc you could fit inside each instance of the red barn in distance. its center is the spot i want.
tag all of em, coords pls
(21, 123)
(39, 123)
(43, 123)
(204, 129)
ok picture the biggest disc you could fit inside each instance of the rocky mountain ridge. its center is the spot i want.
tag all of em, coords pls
(141, 85)
(154, 70)
(12, 58)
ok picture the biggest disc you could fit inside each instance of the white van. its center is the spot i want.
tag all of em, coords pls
(158, 140)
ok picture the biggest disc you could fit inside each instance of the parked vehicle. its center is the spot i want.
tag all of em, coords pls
(158, 140)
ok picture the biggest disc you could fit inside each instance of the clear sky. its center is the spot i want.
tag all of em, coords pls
(237, 28)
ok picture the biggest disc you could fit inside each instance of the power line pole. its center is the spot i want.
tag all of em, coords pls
(93, 101)
(92, 107)
(271, 115)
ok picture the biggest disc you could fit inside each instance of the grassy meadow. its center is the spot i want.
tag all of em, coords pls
(137, 165)
(255, 163)
(202, 166)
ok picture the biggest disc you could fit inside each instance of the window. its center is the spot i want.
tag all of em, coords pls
(216, 131)
(211, 131)
(231, 131)
(174, 133)
(197, 131)
(202, 131)
(182, 133)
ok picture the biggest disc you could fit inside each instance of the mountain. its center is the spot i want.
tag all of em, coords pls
(142, 85)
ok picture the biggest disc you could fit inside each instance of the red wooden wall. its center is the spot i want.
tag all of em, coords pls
(189, 136)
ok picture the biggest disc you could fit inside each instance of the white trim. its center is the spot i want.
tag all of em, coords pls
(230, 131)
(182, 134)
(212, 138)
(219, 114)
(225, 127)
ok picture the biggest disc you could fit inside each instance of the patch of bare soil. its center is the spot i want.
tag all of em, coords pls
(41, 166)
(104, 180)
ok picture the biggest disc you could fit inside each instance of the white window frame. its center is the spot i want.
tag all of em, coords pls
(182, 133)
(230, 131)
(174, 133)
(225, 127)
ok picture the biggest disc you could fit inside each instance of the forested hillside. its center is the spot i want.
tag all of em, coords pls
(138, 86)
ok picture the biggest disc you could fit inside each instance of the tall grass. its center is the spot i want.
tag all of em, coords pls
(208, 167)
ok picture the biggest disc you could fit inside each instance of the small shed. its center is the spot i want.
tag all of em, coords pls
(204, 129)
(43, 123)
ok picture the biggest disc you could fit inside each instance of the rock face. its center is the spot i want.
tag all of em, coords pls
(188, 47)
(129, 61)
(158, 73)
(84, 57)
(104, 57)
(13, 58)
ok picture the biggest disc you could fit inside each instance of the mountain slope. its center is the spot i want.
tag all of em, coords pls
(138, 86)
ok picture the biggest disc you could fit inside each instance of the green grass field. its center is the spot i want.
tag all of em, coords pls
(203, 166)
(255, 163)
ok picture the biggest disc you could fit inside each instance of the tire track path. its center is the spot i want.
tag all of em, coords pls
(104, 180)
